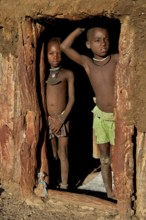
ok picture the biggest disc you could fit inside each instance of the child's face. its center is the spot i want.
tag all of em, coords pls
(54, 54)
(98, 42)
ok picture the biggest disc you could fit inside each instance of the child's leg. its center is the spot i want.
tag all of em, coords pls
(54, 148)
(96, 153)
(106, 168)
(64, 163)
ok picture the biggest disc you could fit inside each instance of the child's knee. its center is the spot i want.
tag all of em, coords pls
(105, 161)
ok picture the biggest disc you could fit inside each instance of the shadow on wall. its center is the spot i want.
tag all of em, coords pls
(80, 143)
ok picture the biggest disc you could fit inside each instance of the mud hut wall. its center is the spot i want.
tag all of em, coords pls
(131, 90)
(123, 163)
(10, 107)
(7, 154)
(136, 115)
(21, 121)
(137, 93)
(32, 87)
(12, 122)
(140, 175)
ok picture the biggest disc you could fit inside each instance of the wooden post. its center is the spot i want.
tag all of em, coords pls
(123, 150)
(141, 175)
(31, 109)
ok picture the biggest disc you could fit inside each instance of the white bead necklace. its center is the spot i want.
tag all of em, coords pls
(95, 59)
(103, 64)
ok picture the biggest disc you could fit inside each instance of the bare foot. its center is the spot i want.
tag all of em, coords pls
(63, 186)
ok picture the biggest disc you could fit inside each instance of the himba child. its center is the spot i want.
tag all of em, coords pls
(100, 70)
(60, 100)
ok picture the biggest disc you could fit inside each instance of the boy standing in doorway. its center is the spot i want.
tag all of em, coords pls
(60, 100)
(100, 70)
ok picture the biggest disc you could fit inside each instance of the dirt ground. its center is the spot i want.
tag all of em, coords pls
(53, 208)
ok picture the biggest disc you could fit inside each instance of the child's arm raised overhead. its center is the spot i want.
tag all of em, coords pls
(69, 51)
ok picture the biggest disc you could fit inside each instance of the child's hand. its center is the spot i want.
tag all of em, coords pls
(55, 125)
(80, 30)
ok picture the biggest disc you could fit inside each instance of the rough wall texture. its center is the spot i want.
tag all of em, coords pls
(123, 163)
(14, 12)
(141, 169)
(20, 114)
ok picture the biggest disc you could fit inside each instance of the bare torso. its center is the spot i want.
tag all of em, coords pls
(102, 81)
(56, 95)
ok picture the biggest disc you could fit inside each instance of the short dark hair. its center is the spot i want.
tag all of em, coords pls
(89, 31)
(55, 39)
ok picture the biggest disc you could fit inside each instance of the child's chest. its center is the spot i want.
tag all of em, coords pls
(102, 74)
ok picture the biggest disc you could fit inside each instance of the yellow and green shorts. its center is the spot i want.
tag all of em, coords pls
(104, 126)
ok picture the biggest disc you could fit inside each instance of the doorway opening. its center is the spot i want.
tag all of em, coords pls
(83, 167)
